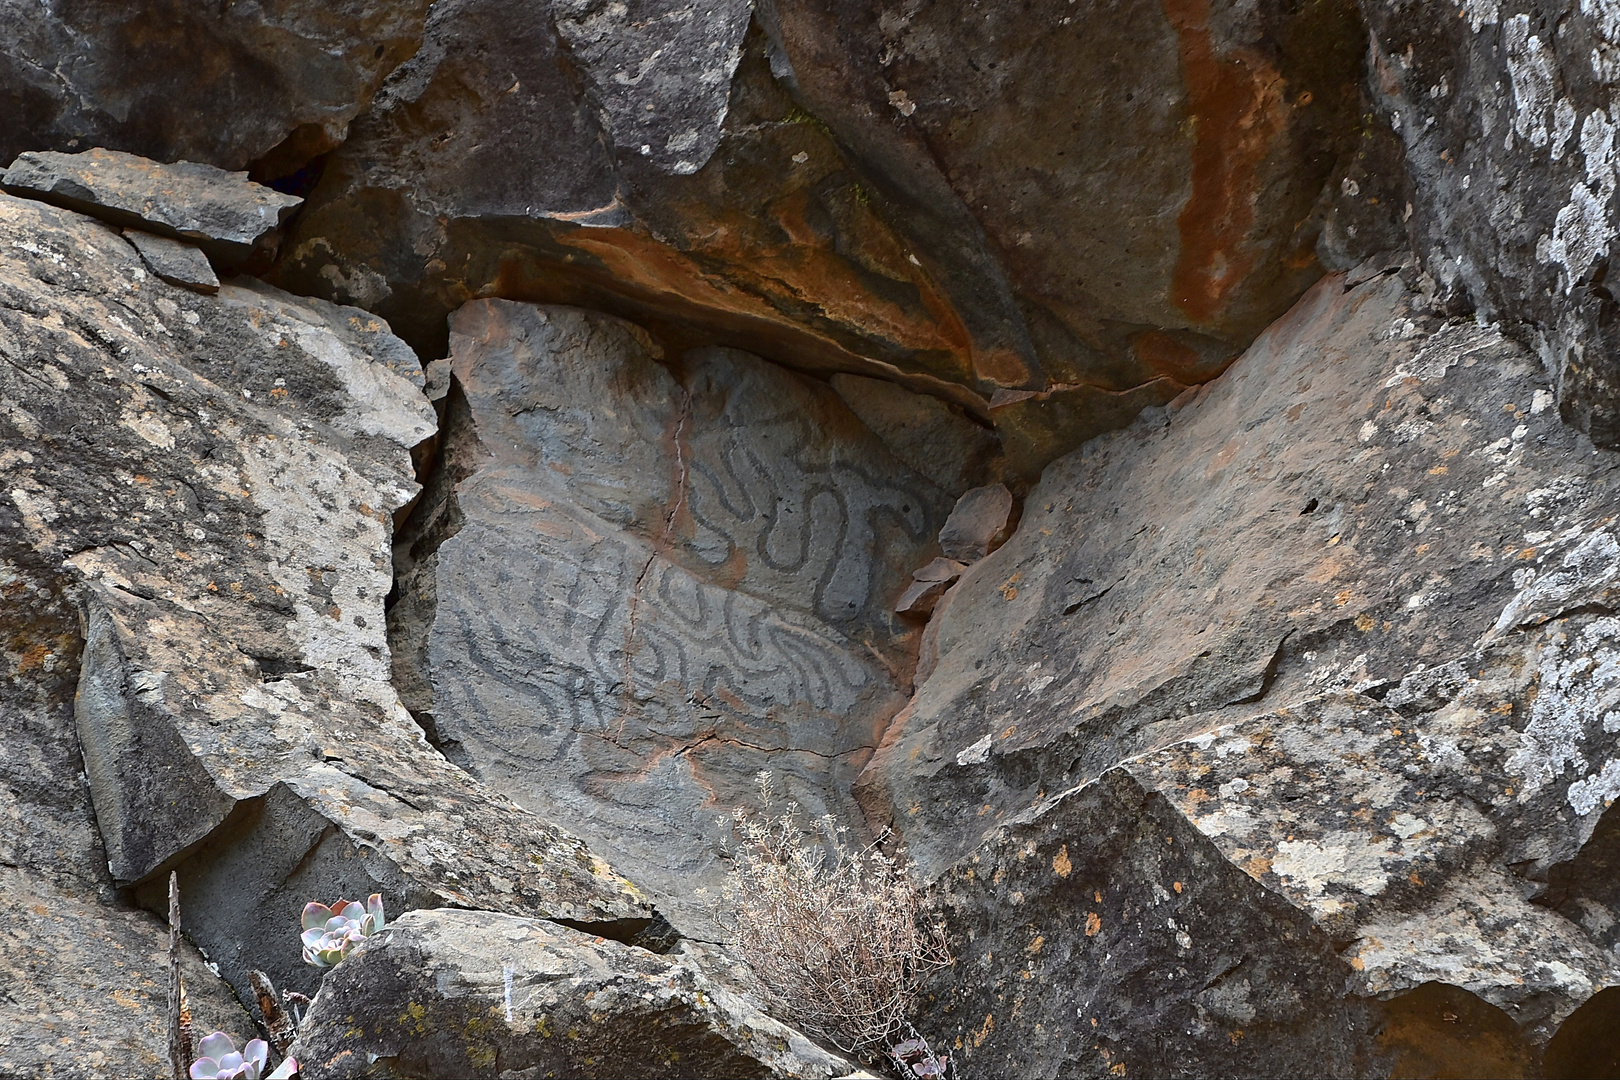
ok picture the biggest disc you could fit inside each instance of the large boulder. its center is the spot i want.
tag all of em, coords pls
(228, 84)
(215, 495)
(1350, 649)
(484, 171)
(480, 994)
(883, 190)
(1505, 113)
(644, 579)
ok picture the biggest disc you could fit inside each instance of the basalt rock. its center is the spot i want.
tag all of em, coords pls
(879, 191)
(659, 577)
(83, 973)
(1504, 112)
(174, 262)
(215, 495)
(1345, 653)
(228, 84)
(224, 213)
(481, 994)
(1206, 130)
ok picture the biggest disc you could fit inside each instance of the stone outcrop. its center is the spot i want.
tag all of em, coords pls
(216, 495)
(1504, 113)
(1343, 654)
(475, 440)
(873, 190)
(665, 574)
(479, 994)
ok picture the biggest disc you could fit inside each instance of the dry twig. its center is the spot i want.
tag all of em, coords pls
(180, 1047)
(277, 1022)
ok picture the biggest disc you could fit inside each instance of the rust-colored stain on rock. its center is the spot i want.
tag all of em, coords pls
(1238, 106)
(731, 266)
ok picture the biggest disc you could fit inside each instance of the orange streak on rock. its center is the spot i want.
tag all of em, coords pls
(795, 285)
(1237, 103)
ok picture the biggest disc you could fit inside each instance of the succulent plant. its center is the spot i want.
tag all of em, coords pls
(220, 1061)
(330, 933)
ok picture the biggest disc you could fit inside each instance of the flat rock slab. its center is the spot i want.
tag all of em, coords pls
(216, 496)
(665, 580)
(174, 262)
(1245, 548)
(481, 994)
(222, 212)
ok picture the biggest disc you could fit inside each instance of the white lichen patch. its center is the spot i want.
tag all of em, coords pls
(1354, 860)
(1577, 705)
(1585, 573)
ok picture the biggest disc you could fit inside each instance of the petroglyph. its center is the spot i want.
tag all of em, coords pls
(667, 579)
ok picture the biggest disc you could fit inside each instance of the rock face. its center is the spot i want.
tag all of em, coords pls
(475, 993)
(940, 408)
(876, 190)
(217, 496)
(224, 213)
(662, 580)
(1356, 649)
(1505, 115)
(83, 974)
(225, 84)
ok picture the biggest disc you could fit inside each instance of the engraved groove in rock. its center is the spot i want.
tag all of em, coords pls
(665, 584)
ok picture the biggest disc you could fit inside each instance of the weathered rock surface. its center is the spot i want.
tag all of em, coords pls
(476, 993)
(82, 974)
(884, 191)
(1352, 642)
(1205, 129)
(482, 171)
(224, 213)
(174, 262)
(1504, 111)
(1239, 547)
(932, 437)
(83, 987)
(86, 984)
(1172, 960)
(216, 493)
(661, 580)
(1273, 733)
(227, 84)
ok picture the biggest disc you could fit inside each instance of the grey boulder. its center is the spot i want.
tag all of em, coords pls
(481, 994)
(640, 583)
(1278, 728)
(174, 262)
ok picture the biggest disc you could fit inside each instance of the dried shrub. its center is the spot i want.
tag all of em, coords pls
(834, 934)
